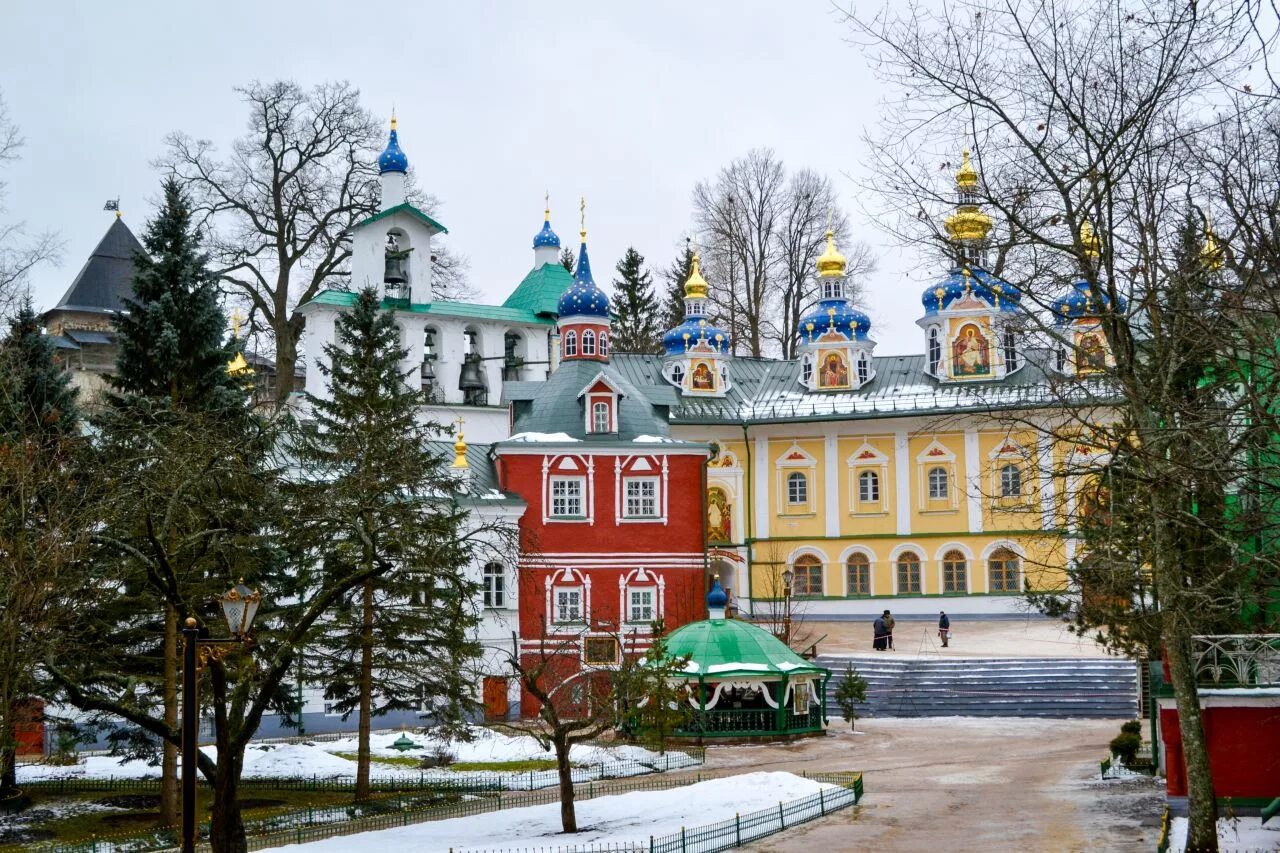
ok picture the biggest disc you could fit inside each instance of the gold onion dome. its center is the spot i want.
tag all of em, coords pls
(967, 176)
(831, 264)
(1211, 251)
(968, 223)
(696, 287)
(1089, 240)
(238, 366)
(460, 451)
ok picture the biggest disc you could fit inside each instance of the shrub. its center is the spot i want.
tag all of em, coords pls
(1125, 746)
(1133, 727)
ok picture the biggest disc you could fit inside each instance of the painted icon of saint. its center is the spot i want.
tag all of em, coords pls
(970, 353)
(703, 379)
(1092, 355)
(834, 373)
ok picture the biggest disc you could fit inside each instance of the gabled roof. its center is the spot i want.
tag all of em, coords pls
(404, 208)
(106, 279)
(556, 408)
(602, 378)
(541, 289)
(465, 310)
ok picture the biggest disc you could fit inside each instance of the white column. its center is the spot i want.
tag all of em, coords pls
(413, 330)
(902, 480)
(1044, 452)
(763, 487)
(392, 189)
(449, 344)
(973, 479)
(831, 447)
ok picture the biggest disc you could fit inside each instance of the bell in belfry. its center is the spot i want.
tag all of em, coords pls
(471, 380)
(396, 272)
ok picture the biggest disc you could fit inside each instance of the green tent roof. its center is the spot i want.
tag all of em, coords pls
(404, 208)
(541, 290)
(465, 310)
(722, 648)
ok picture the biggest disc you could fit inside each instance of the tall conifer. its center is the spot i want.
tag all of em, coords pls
(567, 259)
(676, 275)
(635, 329)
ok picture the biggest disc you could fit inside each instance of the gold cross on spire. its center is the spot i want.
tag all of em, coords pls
(236, 319)
(582, 217)
(546, 197)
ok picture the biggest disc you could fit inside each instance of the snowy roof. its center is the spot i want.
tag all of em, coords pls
(554, 408)
(728, 647)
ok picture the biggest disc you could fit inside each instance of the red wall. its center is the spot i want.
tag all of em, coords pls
(1244, 751)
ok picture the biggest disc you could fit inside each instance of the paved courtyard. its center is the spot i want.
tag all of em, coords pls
(965, 784)
(1031, 636)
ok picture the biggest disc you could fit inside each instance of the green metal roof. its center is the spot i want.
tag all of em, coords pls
(465, 310)
(404, 208)
(555, 405)
(541, 290)
(723, 648)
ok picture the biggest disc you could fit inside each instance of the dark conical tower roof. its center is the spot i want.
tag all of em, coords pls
(106, 279)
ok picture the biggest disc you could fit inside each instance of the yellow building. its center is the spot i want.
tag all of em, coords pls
(915, 482)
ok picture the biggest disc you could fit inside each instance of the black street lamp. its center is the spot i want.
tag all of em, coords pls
(787, 577)
(239, 606)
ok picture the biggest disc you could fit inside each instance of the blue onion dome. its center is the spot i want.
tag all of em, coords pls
(835, 316)
(1083, 301)
(975, 282)
(717, 598)
(392, 159)
(693, 331)
(583, 297)
(546, 237)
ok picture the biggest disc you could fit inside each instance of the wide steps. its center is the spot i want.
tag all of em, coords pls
(990, 687)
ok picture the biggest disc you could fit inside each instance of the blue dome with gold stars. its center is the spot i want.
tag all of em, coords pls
(986, 287)
(697, 328)
(835, 315)
(392, 159)
(583, 298)
(546, 237)
(1083, 301)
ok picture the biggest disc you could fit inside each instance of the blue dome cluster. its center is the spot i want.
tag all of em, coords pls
(717, 598)
(583, 298)
(836, 314)
(1082, 301)
(994, 291)
(546, 237)
(695, 327)
(392, 159)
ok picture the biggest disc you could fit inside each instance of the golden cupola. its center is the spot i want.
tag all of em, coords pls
(1089, 241)
(1211, 251)
(831, 264)
(696, 287)
(967, 224)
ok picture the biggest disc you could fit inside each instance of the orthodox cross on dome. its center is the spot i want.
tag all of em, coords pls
(460, 450)
(582, 217)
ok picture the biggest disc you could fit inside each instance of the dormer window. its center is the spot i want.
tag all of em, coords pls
(677, 374)
(806, 370)
(600, 401)
(570, 342)
(600, 417)
(935, 350)
(588, 342)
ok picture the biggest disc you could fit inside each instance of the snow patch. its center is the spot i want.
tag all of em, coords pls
(654, 439)
(1242, 834)
(538, 437)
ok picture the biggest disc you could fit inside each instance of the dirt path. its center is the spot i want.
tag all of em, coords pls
(951, 784)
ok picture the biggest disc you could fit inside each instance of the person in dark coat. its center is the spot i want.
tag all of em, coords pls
(944, 627)
(879, 640)
(889, 622)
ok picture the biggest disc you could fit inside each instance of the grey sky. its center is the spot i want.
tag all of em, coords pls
(627, 105)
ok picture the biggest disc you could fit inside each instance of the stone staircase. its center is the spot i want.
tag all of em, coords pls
(990, 687)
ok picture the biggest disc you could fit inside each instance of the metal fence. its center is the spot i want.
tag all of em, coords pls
(727, 834)
(1237, 660)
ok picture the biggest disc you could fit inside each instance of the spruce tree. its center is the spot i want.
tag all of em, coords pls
(38, 397)
(635, 329)
(379, 494)
(676, 275)
(567, 259)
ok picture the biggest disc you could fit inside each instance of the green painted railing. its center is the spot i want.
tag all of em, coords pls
(751, 721)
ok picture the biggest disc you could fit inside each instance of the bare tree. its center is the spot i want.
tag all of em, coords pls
(1093, 112)
(280, 206)
(19, 252)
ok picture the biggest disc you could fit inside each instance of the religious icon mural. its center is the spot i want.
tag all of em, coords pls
(719, 510)
(970, 353)
(1092, 355)
(833, 370)
(702, 379)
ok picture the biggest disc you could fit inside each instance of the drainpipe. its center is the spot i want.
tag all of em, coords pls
(749, 512)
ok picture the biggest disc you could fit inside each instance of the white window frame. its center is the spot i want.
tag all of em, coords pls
(939, 487)
(934, 352)
(863, 368)
(570, 343)
(791, 480)
(604, 345)
(601, 407)
(1009, 341)
(919, 572)
(936, 455)
(869, 487)
(557, 479)
(806, 370)
(495, 599)
(567, 590)
(833, 289)
(652, 593)
(1006, 467)
(654, 498)
(588, 342)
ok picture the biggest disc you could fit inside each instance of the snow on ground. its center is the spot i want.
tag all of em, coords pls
(488, 745)
(1247, 834)
(631, 817)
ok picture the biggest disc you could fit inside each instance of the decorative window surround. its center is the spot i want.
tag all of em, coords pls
(568, 468)
(629, 468)
(642, 580)
(567, 581)
(795, 461)
(869, 460)
(937, 455)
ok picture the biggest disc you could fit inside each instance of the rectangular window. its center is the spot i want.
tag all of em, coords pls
(939, 483)
(808, 578)
(641, 497)
(869, 487)
(641, 609)
(569, 605)
(600, 417)
(495, 585)
(566, 497)
(600, 651)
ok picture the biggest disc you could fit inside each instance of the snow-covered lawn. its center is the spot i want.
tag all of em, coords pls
(321, 759)
(1247, 835)
(631, 817)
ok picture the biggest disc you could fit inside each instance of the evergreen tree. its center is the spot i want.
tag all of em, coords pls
(676, 275)
(380, 495)
(567, 259)
(39, 399)
(635, 328)
(851, 691)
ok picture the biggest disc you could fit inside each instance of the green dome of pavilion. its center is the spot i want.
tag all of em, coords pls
(719, 648)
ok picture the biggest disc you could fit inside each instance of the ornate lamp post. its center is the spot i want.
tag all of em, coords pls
(787, 577)
(239, 606)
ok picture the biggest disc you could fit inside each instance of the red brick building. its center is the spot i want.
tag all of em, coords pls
(613, 537)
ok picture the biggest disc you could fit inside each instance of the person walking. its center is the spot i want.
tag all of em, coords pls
(944, 627)
(878, 634)
(888, 629)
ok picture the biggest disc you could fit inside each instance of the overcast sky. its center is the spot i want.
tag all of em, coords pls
(627, 104)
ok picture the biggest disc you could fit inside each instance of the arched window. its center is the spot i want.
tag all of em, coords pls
(935, 350)
(954, 572)
(832, 289)
(1010, 481)
(571, 342)
(858, 571)
(495, 585)
(797, 489)
(588, 342)
(1002, 571)
(868, 487)
(1010, 350)
(908, 572)
(864, 368)
(677, 374)
(808, 575)
(600, 416)
(938, 484)
(806, 370)
(604, 345)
